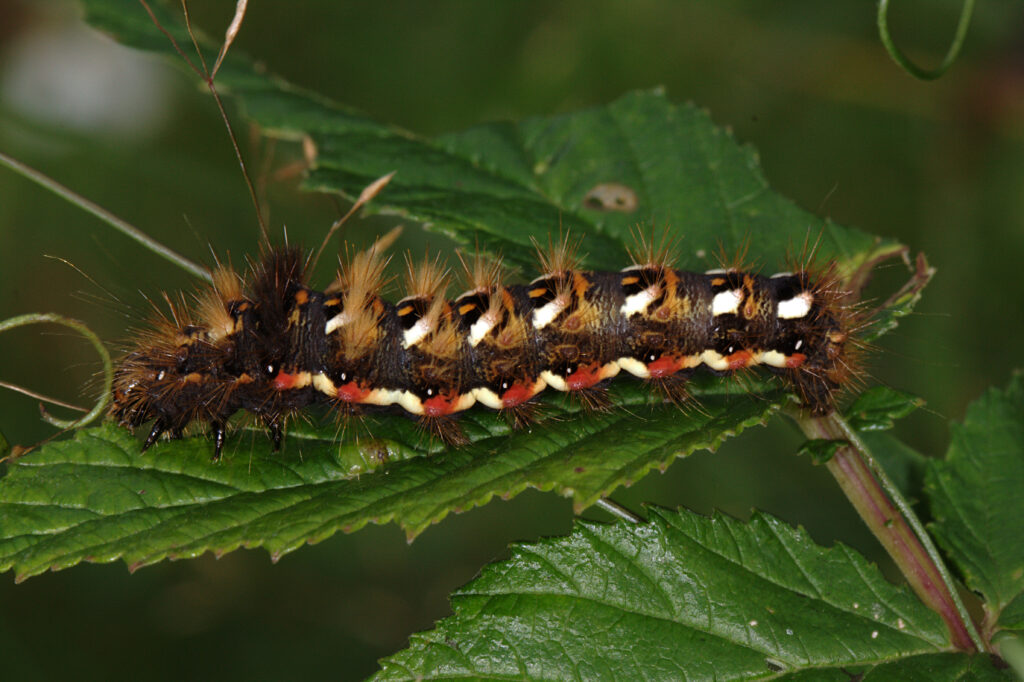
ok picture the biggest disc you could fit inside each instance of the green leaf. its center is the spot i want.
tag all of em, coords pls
(976, 496)
(878, 408)
(680, 597)
(95, 498)
(502, 184)
(821, 450)
(938, 668)
(1012, 617)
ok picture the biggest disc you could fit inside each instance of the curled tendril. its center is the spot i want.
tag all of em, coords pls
(108, 368)
(904, 62)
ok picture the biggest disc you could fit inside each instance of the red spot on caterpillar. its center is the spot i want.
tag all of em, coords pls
(438, 406)
(795, 360)
(517, 395)
(283, 381)
(352, 392)
(664, 366)
(739, 359)
(585, 377)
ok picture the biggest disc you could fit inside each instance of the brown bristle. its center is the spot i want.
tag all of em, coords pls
(653, 250)
(560, 257)
(212, 303)
(427, 279)
(736, 261)
(593, 399)
(445, 429)
(483, 272)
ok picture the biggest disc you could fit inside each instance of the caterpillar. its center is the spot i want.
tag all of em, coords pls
(270, 344)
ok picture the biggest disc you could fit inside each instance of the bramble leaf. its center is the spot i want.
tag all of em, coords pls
(976, 498)
(95, 498)
(684, 597)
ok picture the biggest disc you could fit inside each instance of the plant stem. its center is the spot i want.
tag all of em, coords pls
(615, 509)
(108, 368)
(891, 519)
(910, 67)
(104, 215)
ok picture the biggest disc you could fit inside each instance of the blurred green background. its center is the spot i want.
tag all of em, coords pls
(840, 129)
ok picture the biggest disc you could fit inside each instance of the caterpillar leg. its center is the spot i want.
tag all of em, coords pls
(217, 433)
(154, 434)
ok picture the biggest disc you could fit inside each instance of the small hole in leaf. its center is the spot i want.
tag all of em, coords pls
(611, 196)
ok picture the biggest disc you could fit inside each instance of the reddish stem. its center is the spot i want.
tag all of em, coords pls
(851, 469)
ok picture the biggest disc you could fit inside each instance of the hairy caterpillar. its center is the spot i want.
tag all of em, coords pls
(273, 345)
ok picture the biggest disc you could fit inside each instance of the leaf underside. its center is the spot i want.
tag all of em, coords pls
(499, 186)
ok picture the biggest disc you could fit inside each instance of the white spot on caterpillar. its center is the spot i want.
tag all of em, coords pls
(323, 384)
(417, 332)
(714, 360)
(796, 307)
(778, 275)
(637, 303)
(386, 396)
(336, 322)
(773, 358)
(486, 396)
(799, 344)
(482, 327)
(544, 315)
(554, 381)
(718, 271)
(727, 302)
(464, 402)
(635, 367)
(608, 371)
(409, 401)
